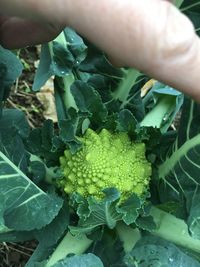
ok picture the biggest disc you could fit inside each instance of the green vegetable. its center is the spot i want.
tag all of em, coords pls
(105, 225)
(106, 160)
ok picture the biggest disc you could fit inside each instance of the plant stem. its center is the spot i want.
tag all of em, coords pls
(174, 230)
(126, 84)
(4, 229)
(68, 98)
(69, 245)
(169, 228)
(190, 6)
(156, 116)
(197, 30)
(128, 236)
(67, 79)
(60, 39)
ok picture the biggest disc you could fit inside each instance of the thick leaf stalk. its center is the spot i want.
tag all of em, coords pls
(69, 245)
(68, 79)
(123, 90)
(174, 230)
(169, 228)
(159, 114)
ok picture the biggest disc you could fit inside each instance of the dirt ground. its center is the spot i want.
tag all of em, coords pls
(21, 96)
(16, 255)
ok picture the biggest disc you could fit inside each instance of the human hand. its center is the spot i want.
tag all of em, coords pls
(18, 32)
(150, 35)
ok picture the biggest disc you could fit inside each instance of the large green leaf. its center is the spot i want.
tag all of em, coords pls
(179, 170)
(89, 101)
(85, 260)
(13, 118)
(108, 211)
(93, 213)
(10, 69)
(59, 57)
(44, 143)
(127, 122)
(49, 236)
(155, 252)
(14, 129)
(96, 62)
(24, 206)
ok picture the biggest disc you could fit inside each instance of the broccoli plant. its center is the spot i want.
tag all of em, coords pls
(106, 160)
(115, 182)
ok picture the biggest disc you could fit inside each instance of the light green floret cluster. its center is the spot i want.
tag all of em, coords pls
(106, 160)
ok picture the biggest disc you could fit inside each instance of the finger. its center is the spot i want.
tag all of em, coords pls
(2, 19)
(49, 10)
(116, 62)
(150, 35)
(18, 33)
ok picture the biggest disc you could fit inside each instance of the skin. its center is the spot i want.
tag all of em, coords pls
(150, 35)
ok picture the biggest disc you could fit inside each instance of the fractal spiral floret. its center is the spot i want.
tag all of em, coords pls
(106, 160)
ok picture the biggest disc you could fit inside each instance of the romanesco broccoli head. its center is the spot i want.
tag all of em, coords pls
(106, 160)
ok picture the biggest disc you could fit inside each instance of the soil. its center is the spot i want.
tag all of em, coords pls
(21, 96)
(16, 255)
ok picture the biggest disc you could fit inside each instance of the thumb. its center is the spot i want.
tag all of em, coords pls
(45, 10)
(177, 58)
(150, 35)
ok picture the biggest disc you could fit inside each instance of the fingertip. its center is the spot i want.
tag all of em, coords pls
(18, 33)
(176, 52)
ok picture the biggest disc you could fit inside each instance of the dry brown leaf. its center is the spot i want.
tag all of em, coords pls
(148, 85)
(46, 98)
